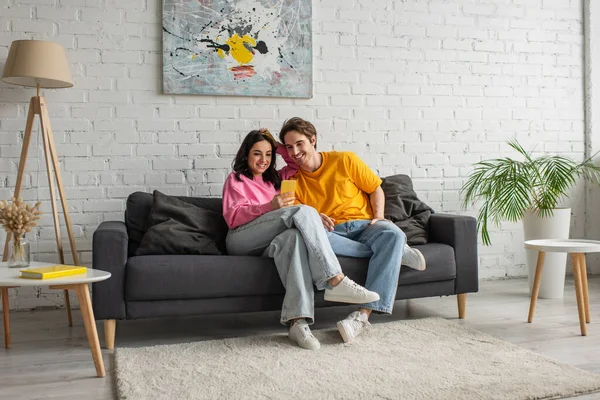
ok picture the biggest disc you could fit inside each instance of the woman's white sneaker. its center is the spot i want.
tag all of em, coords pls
(354, 324)
(301, 334)
(347, 291)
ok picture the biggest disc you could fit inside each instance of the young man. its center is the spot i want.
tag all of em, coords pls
(348, 196)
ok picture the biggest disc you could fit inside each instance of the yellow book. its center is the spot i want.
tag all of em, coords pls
(54, 271)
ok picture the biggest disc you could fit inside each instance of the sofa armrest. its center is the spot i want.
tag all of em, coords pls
(109, 253)
(460, 232)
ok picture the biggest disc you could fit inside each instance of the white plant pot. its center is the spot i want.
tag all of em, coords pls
(555, 227)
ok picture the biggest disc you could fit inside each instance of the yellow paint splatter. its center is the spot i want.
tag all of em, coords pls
(193, 56)
(220, 53)
(237, 49)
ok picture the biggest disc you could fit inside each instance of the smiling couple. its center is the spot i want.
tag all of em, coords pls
(337, 209)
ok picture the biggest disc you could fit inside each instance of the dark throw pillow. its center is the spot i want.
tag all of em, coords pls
(403, 207)
(177, 227)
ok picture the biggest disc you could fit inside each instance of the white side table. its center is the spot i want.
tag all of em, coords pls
(577, 249)
(10, 278)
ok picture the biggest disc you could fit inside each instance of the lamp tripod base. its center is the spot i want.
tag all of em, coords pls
(38, 106)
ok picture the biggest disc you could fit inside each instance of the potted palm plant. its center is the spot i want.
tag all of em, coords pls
(529, 190)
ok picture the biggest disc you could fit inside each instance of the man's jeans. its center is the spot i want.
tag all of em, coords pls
(295, 238)
(383, 243)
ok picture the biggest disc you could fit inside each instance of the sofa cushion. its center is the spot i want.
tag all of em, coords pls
(199, 277)
(441, 266)
(139, 205)
(177, 227)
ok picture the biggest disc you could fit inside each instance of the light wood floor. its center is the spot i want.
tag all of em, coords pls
(52, 361)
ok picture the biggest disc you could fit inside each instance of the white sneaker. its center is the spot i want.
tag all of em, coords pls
(413, 258)
(301, 334)
(354, 324)
(347, 291)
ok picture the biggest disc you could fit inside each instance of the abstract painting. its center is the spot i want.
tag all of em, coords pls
(238, 47)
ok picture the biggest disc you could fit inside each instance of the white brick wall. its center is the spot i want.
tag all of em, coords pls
(419, 87)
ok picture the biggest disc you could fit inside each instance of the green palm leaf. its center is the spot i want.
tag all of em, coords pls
(557, 175)
(508, 188)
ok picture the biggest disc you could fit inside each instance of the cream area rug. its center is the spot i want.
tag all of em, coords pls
(425, 359)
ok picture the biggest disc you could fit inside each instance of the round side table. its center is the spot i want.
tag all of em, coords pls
(577, 249)
(10, 278)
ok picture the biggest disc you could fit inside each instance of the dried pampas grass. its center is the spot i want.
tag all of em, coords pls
(17, 217)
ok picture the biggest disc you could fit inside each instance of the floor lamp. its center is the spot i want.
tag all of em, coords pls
(40, 64)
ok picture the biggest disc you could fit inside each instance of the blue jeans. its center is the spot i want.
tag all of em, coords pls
(383, 243)
(295, 238)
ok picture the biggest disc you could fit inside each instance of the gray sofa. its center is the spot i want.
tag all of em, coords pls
(154, 286)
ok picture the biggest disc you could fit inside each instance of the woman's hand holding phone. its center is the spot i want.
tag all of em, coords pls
(287, 196)
(283, 200)
(288, 188)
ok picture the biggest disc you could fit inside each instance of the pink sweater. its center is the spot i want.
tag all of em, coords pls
(249, 199)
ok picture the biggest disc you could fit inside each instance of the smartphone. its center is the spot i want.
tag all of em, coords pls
(288, 186)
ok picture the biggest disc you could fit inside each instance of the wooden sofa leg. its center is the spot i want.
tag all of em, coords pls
(109, 333)
(462, 304)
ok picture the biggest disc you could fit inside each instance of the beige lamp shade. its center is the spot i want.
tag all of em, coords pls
(33, 62)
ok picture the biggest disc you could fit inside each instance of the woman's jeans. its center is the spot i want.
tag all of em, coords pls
(383, 243)
(295, 238)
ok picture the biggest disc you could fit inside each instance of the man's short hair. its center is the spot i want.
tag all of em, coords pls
(299, 125)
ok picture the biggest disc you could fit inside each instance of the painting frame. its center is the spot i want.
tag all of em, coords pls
(260, 48)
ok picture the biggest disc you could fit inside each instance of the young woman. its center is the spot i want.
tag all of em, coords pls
(264, 222)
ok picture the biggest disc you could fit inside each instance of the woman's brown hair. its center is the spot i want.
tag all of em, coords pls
(240, 163)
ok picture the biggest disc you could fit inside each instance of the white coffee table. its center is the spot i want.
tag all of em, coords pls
(577, 249)
(10, 278)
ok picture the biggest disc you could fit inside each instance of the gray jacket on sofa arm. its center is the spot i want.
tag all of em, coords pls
(451, 254)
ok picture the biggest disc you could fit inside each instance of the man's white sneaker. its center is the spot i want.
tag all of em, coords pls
(348, 291)
(413, 258)
(301, 334)
(354, 324)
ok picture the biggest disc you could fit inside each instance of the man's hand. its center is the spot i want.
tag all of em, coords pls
(377, 199)
(283, 200)
(266, 132)
(328, 223)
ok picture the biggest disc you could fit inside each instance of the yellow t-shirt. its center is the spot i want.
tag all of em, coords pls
(340, 188)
